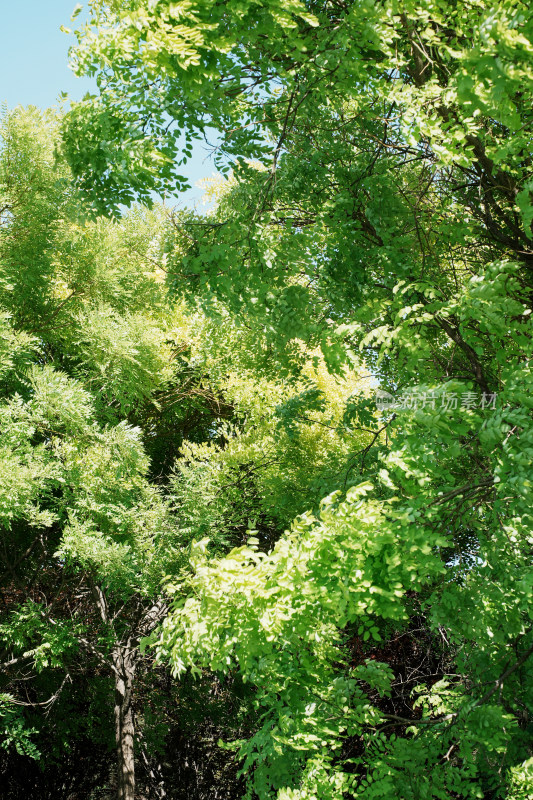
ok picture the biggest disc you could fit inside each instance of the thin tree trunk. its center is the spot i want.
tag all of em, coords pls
(124, 657)
(124, 663)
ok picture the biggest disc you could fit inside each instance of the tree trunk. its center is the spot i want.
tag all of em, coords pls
(124, 657)
(124, 664)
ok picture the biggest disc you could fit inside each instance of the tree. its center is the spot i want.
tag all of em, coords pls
(129, 426)
(92, 534)
(391, 215)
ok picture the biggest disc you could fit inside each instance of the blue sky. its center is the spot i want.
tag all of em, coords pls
(34, 66)
(33, 53)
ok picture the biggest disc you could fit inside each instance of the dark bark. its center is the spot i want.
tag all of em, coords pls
(124, 664)
(124, 657)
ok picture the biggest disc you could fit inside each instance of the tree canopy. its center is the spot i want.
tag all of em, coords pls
(281, 450)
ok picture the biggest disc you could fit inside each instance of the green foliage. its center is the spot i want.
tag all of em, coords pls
(277, 457)
(129, 426)
(521, 781)
(28, 625)
(374, 213)
(387, 214)
(13, 731)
